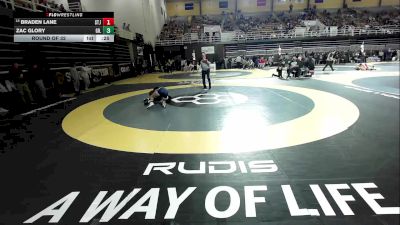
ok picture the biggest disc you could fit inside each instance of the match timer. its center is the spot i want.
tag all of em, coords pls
(64, 27)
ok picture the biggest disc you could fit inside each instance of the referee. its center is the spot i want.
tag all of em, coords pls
(329, 61)
(205, 71)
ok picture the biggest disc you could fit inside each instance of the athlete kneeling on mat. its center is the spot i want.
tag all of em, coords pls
(364, 66)
(157, 95)
(279, 70)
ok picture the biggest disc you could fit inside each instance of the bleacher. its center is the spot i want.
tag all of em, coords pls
(302, 46)
(284, 25)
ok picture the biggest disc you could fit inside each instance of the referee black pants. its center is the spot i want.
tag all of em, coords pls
(328, 63)
(205, 73)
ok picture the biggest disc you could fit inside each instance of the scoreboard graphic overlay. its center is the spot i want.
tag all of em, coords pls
(64, 27)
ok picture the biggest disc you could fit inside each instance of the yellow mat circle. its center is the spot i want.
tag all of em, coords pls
(331, 115)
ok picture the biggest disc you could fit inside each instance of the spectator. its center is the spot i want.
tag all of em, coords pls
(59, 79)
(310, 66)
(183, 64)
(255, 61)
(293, 68)
(75, 78)
(62, 9)
(226, 62)
(144, 65)
(21, 82)
(84, 75)
(36, 75)
(261, 62)
(238, 61)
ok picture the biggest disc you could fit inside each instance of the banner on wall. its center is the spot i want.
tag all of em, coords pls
(223, 4)
(124, 69)
(310, 23)
(99, 74)
(333, 31)
(212, 28)
(208, 49)
(126, 34)
(288, 1)
(261, 2)
(194, 36)
(228, 36)
(189, 6)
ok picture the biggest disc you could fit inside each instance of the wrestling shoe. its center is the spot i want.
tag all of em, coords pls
(150, 105)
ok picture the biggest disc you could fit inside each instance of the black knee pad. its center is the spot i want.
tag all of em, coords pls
(169, 98)
(146, 102)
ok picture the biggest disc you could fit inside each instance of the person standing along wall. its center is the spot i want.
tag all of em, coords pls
(21, 83)
(36, 76)
(75, 78)
(84, 74)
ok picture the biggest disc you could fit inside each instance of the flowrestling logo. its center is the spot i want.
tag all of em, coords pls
(120, 205)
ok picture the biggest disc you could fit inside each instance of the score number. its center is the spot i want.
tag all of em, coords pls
(108, 21)
(108, 30)
(108, 25)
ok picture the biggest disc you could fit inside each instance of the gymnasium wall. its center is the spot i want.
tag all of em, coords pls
(283, 5)
(391, 3)
(250, 6)
(211, 7)
(177, 8)
(336, 4)
(362, 3)
(327, 4)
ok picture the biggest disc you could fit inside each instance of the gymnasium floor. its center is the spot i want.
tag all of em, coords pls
(253, 150)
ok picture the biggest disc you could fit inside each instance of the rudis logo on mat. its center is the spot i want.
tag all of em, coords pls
(120, 206)
(221, 167)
